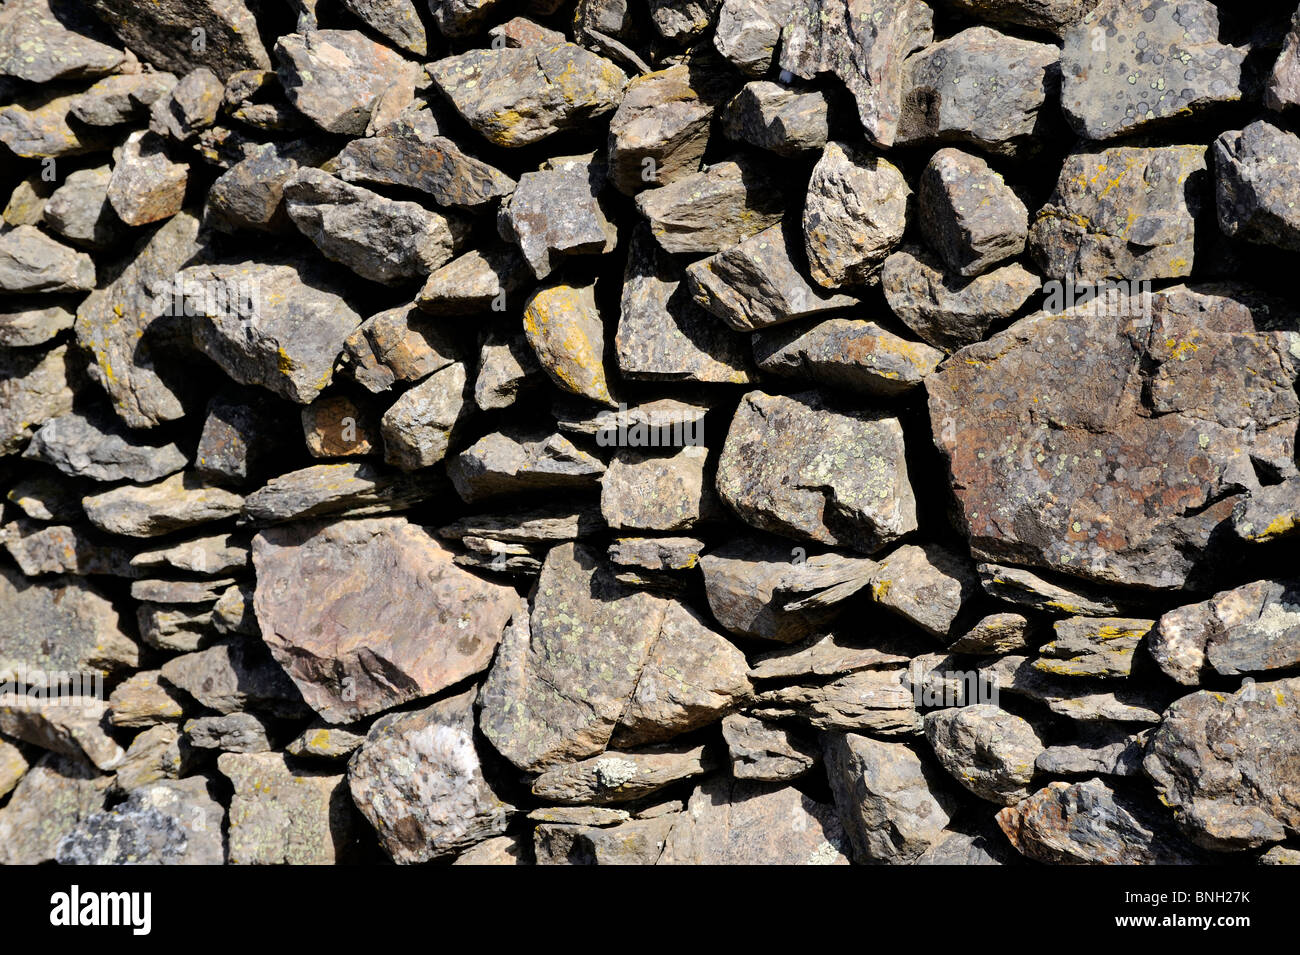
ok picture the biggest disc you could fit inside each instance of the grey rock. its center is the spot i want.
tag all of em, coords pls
(397, 345)
(234, 443)
(13, 766)
(777, 119)
(926, 585)
(170, 822)
(766, 751)
(142, 700)
(1095, 647)
(655, 492)
(334, 77)
(36, 127)
(507, 369)
(146, 186)
(555, 213)
(250, 194)
(282, 814)
(30, 261)
(24, 323)
(988, 750)
(1052, 16)
(406, 154)
(179, 591)
(747, 32)
(232, 733)
(325, 741)
(182, 628)
(480, 280)
(1025, 588)
(419, 425)
(118, 100)
(65, 549)
(1269, 513)
(864, 701)
(207, 556)
(101, 449)
(635, 842)
(235, 675)
(162, 33)
(706, 212)
(1254, 181)
(168, 505)
(969, 215)
(46, 40)
(188, 107)
(33, 389)
(741, 579)
(1283, 86)
(398, 21)
(351, 488)
(48, 498)
(843, 353)
(1104, 750)
(620, 776)
(79, 209)
(819, 656)
(68, 724)
(995, 634)
(55, 795)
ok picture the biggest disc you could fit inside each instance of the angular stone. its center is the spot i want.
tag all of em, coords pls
(235, 675)
(747, 32)
(70, 725)
(235, 442)
(120, 325)
(1158, 62)
(250, 194)
(49, 802)
(30, 261)
(945, 309)
(1096, 647)
(848, 354)
(1254, 183)
(756, 283)
(767, 751)
(865, 701)
(555, 213)
(655, 492)
(289, 349)
(163, 33)
(181, 629)
(155, 755)
(1121, 213)
(854, 215)
(397, 345)
(397, 20)
(141, 701)
(146, 186)
(706, 212)
(188, 107)
(328, 742)
(864, 43)
(118, 100)
(26, 205)
(168, 505)
(1089, 824)
(997, 633)
(33, 389)
(391, 618)
(56, 627)
(13, 766)
(1283, 86)
(458, 18)
(1165, 396)
(635, 842)
(101, 449)
(979, 87)
(49, 498)
(988, 750)
(565, 330)
(1026, 589)
(515, 97)
(419, 781)
(739, 822)
(79, 209)
(179, 591)
(884, 797)
(64, 549)
(418, 427)
(233, 733)
(969, 215)
(1105, 750)
(616, 776)
(507, 369)
(1269, 513)
(351, 488)
(829, 655)
(333, 77)
(1052, 16)
(927, 586)
(800, 467)
(283, 815)
(407, 155)
(480, 280)
(45, 40)
(36, 127)
(170, 822)
(1250, 629)
(776, 118)
(741, 579)
(24, 323)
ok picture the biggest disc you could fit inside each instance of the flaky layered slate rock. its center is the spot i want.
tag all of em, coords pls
(655, 492)
(615, 777)
(1139, 464)
(741, 578)
(847, 354)
(767, 751)
(168, 505)
(517, 461)
(705, 212)
(67, 721)
(390, 617)
(407, 154)
(289, 341)
(799, 466)
(281, 814)
(1095, 647)
(514, 97)
(854, 215)
(864, 43)
(333, 77)
(926, 585)
(234, 675)
(988, 750)
(772, 117)
(1225, 764)
(101, 450)
(418, 781)
(1157, 61)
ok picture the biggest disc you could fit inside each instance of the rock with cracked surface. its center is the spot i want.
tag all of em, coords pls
(289, 349)
(872, 700)
(1089, 824)
(390, 617)
(848, 354)
(59, 625)
(635, 842)
(235, 441)
(397, 20)
(756, 283)
(706, 212)
(1283, 86)
(555, 213)
(118, 100)
(169, 822)
(1051, 16)
(743, 822)
(33, 389)
(1125, 212)
(618, 776)
(515, 97)
(48, 497)
(480, 280)
(885, 799)
(1250, 629)
(189, 107)
(101, 449)
(1269, 513)
(748, 31)
(384, 240)
(819, 656)
(250, 194)
(1158, 62)
(121, 327)
(1255, 179)
(799, 466)
(46, 40)
(767, 751)
(565, 330)
(979, 87)
(741, 579)
(282, 814)
(418, 426)
(988, 750)
(235, 675)
(1101, 750)
(660, 129)
(62, 723)
(507, 368)
(143, 700)
(1156, 416)
(655, 491)
(163, 33)
(665, 336)
(325, 741)
(23, 324)
(457, 18)
(64, 549)
(776, 118)
(30, 261)
(969, 215)
(155, 755)
(54, 796)
(419, 782)
(1024, 588)
(854, 215)
(945, 309)
(351, 488)
(397, 345)
(146, 186)
(1095, 647)
(334, 77)
(181, 629)
(865, 43)
(174, 503)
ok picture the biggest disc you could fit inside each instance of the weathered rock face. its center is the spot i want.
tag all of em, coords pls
(1141, 457)
(389, 619)
(283, 815)
(989, 751)
(333, 77)
(1254, 177)
(854, 215)
(170, 822)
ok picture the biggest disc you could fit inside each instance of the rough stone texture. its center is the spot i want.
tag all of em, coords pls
(564, 328)
(55, 795)
(1097, 647)
(62, 723)
(1159, 61)
(283, 815)
(800, 467)
(772, 117)
(928, 586)
(705, 212)
(170, 822)
(847, 354)
(1254, 180)
(233, 675)
(333, 77)
(854, 215)
(44, 40)
(617, 776)
(31, 261)
(969, 215)
(766, 751)
(397, 345)
(654, 492)
(555, 213)
(33, 389)
(748, 31)
(101, 450)
(989, 751)
(142, 701)
(171, 504)
(406, 154)
(146, 186)
(163, 33)
(389, 617)
(1283, 86)
(418, 781)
